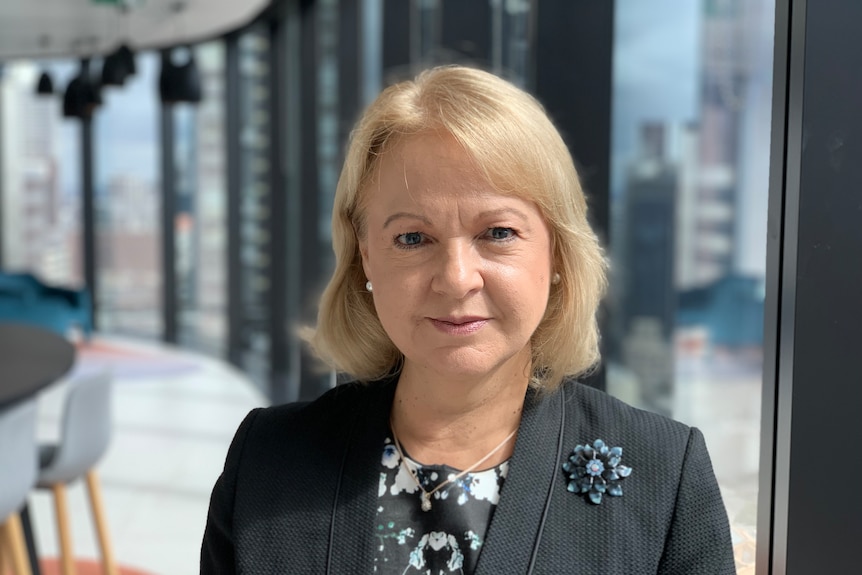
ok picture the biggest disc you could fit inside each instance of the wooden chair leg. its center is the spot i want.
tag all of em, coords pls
(16, 546)
(3, 551)
(67, 556)
(109, 566)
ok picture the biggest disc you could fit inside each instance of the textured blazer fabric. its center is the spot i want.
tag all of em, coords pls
(299, 492)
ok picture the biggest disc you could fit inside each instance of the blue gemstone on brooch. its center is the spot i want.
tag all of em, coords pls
(595, 470)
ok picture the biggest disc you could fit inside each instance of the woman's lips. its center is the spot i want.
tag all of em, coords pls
(458, 326)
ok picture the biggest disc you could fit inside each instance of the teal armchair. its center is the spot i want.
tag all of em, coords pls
(24, 298)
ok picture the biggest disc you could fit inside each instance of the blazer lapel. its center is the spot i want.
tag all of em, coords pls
(356, 506)
(517, 522)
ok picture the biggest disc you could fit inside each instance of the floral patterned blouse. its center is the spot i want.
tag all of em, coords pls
(448, 538)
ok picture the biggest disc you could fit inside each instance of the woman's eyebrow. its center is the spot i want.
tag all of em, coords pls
(483, 215)
(405, 215)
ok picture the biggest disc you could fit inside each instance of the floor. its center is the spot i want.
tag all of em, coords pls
(175, 413)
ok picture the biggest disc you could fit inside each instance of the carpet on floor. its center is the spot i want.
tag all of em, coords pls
(131, 361)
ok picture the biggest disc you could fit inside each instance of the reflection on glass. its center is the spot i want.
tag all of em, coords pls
(128, 230)
(255, 250)
(200, 225)
(39, 176)
(424, 31)
(500, 42)
(328, 139)
(510, 39)
(692, 108)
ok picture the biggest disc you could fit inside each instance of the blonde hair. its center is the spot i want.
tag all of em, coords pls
(511, 138)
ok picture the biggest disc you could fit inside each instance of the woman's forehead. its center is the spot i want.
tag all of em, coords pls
(416, 164)
(426, 161)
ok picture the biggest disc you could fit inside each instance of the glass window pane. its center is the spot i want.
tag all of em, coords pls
(201, 224)
(254, 214)
(128, 205)
(692, 110)
(328, 142)
(40, 172)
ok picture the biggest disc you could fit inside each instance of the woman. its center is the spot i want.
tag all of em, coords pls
(464, 303)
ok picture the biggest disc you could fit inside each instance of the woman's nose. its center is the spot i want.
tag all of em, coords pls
(457, 272)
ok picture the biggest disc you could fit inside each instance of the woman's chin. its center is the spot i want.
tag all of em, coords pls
(464, 364)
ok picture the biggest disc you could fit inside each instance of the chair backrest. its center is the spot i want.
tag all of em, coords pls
(85, 431)
(19, 462)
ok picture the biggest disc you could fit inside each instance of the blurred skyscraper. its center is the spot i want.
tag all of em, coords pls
(650, 224)
(713, 170)
(649, 303)
(129, 253)
(730, 198)
(690, 235)
(34, 236)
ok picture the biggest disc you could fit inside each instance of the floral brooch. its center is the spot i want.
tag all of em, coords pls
(595, 470)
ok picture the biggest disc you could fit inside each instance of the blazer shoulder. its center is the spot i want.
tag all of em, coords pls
(331, 410)
(599, 410)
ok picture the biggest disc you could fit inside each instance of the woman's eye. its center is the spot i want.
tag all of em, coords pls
(409, 239)
(501, 233)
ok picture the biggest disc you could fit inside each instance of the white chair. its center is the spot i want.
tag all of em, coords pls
(18, 469)
(85, 435)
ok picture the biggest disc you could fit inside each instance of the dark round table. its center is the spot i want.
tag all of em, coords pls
(31, 358)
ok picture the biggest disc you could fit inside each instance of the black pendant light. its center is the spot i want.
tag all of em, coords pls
(179, 82)
(83, 94)
(113, 73)
(127, 58)
(75, 99)
(46, 85)
(118, 66)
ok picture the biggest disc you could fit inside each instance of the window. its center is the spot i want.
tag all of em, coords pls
(201, 222)
(690, 156)
(128, 215)
(39, 175)
(255, 196)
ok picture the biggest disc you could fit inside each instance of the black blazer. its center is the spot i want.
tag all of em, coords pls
(299, 488)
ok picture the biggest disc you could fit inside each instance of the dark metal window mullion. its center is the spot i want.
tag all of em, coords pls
(814, 515)
(232, 156)
(88, 208)
(280, 390)
(170, 307)
(771, 537)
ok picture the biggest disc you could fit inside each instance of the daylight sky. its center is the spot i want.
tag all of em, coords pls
(656, 70)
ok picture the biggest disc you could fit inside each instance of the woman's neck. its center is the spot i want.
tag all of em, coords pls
(456, 423)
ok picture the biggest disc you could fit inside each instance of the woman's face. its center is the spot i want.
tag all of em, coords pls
(460, 272)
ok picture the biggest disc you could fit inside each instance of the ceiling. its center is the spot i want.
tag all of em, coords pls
(63, 28)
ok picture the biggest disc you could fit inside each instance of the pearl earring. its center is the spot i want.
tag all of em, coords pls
(368, 286)
(555, 279)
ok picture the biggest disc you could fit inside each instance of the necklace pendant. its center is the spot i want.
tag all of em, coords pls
(426, 502)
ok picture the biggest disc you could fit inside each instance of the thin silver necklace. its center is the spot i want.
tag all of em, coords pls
(425, 496)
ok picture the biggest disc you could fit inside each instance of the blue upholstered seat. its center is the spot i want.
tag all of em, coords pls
(26, 299)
